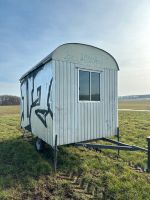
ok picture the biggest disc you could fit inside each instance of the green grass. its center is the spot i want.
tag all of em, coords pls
(26, 174)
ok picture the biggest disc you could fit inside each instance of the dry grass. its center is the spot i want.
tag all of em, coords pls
(8, 110)
(136, 105)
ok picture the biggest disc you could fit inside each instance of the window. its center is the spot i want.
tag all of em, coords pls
(95, 86)
(89, 86)
(84, 85)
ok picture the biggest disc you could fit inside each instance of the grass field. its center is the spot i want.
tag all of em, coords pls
(82, 174)
(134, 104)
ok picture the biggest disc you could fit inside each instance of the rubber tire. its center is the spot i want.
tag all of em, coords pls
(39, 144)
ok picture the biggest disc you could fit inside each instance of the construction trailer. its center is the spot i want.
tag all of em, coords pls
(72, 93)
(71, 97)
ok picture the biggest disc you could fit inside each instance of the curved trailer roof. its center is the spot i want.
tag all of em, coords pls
(78, 53)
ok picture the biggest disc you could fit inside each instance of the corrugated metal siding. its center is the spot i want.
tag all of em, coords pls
(78, 121)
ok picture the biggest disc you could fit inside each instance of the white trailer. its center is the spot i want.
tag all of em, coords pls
(72, 93)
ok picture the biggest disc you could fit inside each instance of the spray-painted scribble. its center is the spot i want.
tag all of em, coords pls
(42, 113)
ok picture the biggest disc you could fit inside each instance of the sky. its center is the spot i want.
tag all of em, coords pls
(31, 29)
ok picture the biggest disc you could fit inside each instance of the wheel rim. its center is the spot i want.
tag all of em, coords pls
(38, 145)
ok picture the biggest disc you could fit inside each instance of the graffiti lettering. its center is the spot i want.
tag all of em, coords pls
(31, 103)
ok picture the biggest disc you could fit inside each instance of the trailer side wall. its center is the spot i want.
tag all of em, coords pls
(37, 103)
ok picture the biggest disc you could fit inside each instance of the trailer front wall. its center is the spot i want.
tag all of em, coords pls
(37, 104)
(76, 121)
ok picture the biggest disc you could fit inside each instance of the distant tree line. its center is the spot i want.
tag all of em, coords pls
(9, 100)
(135, 97)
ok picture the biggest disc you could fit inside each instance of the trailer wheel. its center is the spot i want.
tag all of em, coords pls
(39, 144)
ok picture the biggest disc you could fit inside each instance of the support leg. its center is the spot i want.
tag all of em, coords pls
(55, 154)
(118, 138)
(148, 155)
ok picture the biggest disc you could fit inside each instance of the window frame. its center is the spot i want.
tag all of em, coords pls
(90, 71)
